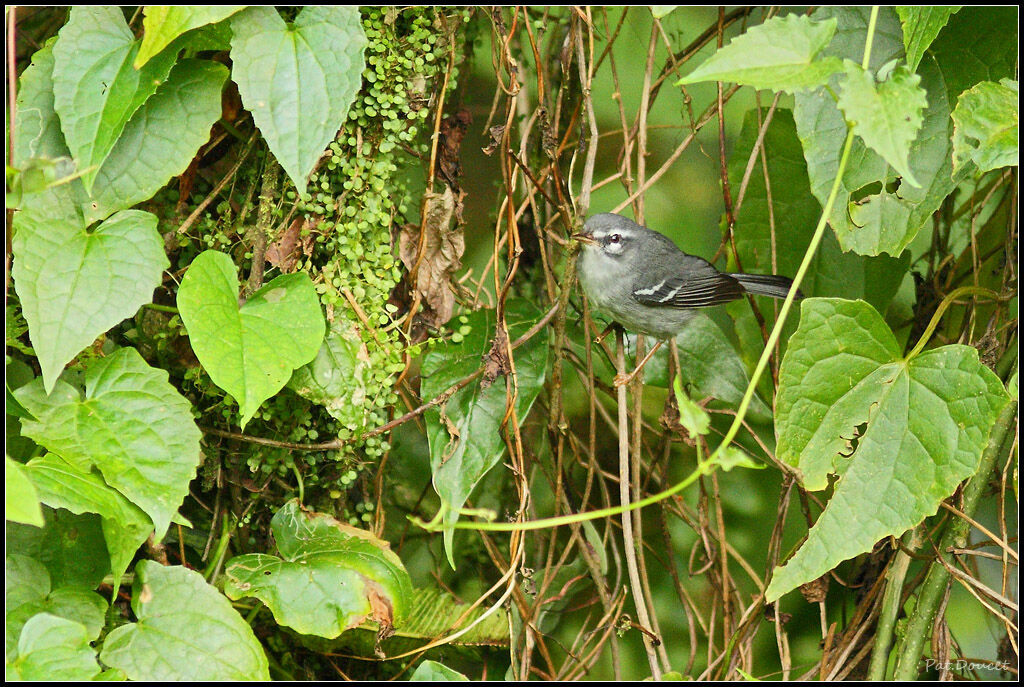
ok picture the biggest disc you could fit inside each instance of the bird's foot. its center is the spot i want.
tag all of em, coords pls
(622, 379)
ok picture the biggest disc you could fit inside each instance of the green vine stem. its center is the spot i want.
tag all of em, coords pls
(895, 577)
(919, 626)
(950, 298)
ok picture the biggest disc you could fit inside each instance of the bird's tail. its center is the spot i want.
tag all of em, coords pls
(766, 284)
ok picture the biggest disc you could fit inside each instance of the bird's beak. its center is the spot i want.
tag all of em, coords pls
(584, 237)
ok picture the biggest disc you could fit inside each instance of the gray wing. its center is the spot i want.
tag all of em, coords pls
(684, 281)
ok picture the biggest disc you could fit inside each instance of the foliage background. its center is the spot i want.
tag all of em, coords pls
(480, 76)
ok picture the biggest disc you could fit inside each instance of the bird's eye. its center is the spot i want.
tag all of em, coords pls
(615, 238)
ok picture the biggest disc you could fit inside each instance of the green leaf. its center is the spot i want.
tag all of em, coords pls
(432, 671)
(164, 23)
(131, 424)
(709, 364)
(465, 433)
(189, 625)
(729, 457)
(96, 90)
(38, 140)
(972, 48)
(691, 416)
(22, 501)
(337, 377)
(330, 576)
(53, 648)
(125, 526)
(822, 129)
(920, 27)
(986, 126)
(886, 115)
(70, 546)
(29, 593)
(298, 79)
(832, 272)
(775, 238)
(161, 138)
(251, 351)
(780, 54)
(74, 284)
(37, 128)
(901, 434)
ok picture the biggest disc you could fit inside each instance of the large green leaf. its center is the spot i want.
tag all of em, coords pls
(186, 630)
(130, 423)
(61, 485)
(95, 87)
(465, 433)
(53, 649)
(887, 114)
(986, 126)
(22, 501)
(870, 215)
(37, 137)
(164, 23)
(75, 284)
(249, 351)
(920, 27)
(161, 138)
(28, 593)
(298, 79)
(781, 54)
(330, 576)
(900, 433)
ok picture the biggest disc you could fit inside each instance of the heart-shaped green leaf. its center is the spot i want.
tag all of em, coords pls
(95, 87)
(330, 576)
(76, 284)
(900, 433)
(131, 424)
(53, 648)
(186, 630)
(249, 351)
(298, 79)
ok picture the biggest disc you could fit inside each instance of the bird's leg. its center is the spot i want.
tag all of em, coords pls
(623, 379)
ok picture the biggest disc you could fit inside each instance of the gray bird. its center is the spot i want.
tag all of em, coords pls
(646, 284)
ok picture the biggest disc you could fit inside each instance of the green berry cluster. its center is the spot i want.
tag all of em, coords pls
(359, 192)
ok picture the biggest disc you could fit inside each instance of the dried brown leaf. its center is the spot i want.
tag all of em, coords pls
(432, 254)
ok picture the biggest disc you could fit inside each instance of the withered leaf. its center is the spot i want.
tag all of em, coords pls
(453, 131)
(284, 253)
(432, 254)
